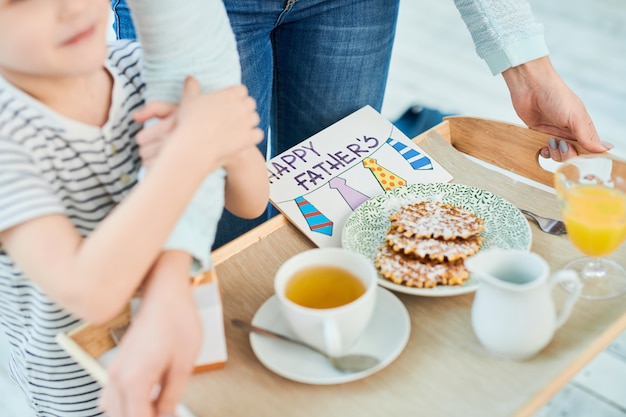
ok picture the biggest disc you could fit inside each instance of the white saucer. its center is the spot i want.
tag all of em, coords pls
(385, 337)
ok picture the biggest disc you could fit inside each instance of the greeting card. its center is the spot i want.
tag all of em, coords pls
(319, 182)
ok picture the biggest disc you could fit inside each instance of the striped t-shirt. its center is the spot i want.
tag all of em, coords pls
(50, 164)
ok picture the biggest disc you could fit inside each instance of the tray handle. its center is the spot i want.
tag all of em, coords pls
(506, 145)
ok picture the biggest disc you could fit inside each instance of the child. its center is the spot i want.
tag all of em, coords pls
(77, 234)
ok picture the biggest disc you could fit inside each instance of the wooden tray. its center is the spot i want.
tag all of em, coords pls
(443, 371)
(89, 342)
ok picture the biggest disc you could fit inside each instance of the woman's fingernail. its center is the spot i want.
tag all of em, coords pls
(563, 146)
(607, 145)
(552, 143)
(545, 153)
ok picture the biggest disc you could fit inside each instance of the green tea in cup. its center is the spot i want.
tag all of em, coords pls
(324, 286)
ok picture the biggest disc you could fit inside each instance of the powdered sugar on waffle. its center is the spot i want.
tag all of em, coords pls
(404, 270)
(433, 249)
(433, 219)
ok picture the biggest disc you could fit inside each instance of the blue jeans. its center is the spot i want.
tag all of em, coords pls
(308, 63)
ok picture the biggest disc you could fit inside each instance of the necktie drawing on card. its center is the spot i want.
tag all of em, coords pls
(387, 179)
(353, 197)
(416, 159)
(316, 220)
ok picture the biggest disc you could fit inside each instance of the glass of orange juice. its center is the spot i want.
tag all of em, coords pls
(592, 195)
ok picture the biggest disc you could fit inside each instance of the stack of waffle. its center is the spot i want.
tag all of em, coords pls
(427, 243)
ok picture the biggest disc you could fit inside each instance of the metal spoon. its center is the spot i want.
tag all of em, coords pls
(346, 363)
(552, 226)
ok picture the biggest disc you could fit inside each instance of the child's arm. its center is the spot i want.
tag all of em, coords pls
(247, 186)
(145, 357)
(177, 40)
(94, 277)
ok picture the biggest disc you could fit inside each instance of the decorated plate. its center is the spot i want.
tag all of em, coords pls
(505, 226)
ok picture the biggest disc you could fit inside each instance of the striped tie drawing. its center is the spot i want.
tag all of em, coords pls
(387, 179)
(316, 220)
(353, 197)
(412, 156)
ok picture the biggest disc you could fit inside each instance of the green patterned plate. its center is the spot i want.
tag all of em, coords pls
(505, 226)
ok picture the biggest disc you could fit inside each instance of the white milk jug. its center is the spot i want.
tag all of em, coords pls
(513, 313)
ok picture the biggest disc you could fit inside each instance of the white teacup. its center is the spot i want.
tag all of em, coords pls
(327, 296)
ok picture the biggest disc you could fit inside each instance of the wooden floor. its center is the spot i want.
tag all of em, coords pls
(434, 64)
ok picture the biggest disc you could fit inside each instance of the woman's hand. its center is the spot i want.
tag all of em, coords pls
(545, 103)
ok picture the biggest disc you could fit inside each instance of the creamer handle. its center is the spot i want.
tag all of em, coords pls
(574, 288)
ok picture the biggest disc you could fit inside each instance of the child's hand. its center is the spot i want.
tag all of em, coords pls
(224, 122)
(150, 139)
(214, 127)
(159, 349)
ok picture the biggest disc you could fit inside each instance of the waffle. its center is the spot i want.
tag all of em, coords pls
(427, 244)
(433, 249)
(432, 219)
(406, 270)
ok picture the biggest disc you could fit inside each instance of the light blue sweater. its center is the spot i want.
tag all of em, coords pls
(177, 43)
(504, 31)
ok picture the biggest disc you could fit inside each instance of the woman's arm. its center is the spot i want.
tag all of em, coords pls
(504, 32)
(511, 42)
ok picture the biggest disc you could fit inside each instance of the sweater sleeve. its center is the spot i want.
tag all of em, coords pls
(505, 32)
(193, 37)
(181, 39)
